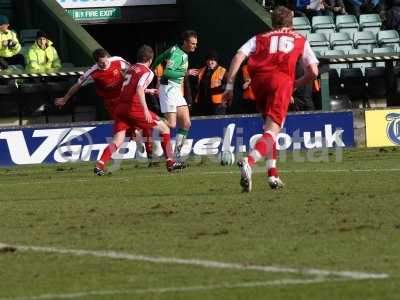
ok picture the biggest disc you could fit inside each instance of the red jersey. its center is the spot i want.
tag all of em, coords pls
(107, 82)
(277, 52)
(137, 75)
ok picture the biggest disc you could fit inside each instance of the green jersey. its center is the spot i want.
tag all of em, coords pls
(176, 64)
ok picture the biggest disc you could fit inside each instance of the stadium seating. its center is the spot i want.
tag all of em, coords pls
(364, 40)
(382, 51)
(360, 65)
(338, 67)
(341, 41)
(301, 25)
(318, 41)
(346, 23)
(388, 37)
(370, 22)
(323, 24)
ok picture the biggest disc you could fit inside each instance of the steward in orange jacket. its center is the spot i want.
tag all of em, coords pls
(211, 84)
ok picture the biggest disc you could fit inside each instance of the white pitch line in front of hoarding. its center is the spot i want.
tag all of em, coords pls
(210, 173)
(196, 288)
(354, 275)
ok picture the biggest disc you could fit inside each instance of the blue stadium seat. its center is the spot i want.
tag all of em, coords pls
(347, 23)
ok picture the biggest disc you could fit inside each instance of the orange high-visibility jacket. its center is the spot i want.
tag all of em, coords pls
(216, 81)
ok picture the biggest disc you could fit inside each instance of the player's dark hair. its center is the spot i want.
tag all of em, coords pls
(282, 17)
(188, 34)
(144, 54)
(99, 53)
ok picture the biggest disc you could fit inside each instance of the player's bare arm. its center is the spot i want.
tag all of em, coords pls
(151, 91)
(62, 100)
(236, 62)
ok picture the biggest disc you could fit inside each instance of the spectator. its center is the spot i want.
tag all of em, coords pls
(9, 45)
(336, 7)
(42, 55)
(211, 84)
(310, 8)
(394, 15)
(357, 7)
(249, 103)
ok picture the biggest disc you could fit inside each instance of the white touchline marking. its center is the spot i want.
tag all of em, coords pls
(174, 289)
(256, 170)
(355, 275)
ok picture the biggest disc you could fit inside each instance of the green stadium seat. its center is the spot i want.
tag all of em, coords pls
(338, 67)
(301, 23)
(303, 32)
(370, 22)
(388, 37)
(360, 65)
(341, 41)
(346, 23)
(317, 39)
(364, 40)
(323, 24)
(382, 50)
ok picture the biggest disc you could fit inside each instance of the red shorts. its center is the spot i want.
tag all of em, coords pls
(110, 105)
(126, 119)
(273, 95)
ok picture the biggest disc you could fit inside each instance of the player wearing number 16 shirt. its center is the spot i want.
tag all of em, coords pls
(272, 59)
(132, 112)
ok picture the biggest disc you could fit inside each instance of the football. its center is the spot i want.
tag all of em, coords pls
(227, 158)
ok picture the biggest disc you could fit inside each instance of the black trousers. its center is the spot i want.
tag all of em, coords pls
(13, 60)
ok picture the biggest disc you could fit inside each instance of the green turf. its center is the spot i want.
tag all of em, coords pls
(331, 215)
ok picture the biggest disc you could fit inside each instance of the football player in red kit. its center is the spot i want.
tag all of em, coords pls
(272, 59)
(132, 112)
(107, 75)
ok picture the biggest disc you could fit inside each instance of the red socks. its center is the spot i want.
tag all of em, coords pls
(265, 147)
(166, 146)
(106, 156)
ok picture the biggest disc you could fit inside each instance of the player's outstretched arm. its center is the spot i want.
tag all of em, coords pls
(233, 70)
(161, 58)
(73, 89)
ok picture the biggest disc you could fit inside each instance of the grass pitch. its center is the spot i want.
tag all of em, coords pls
(331, 216)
